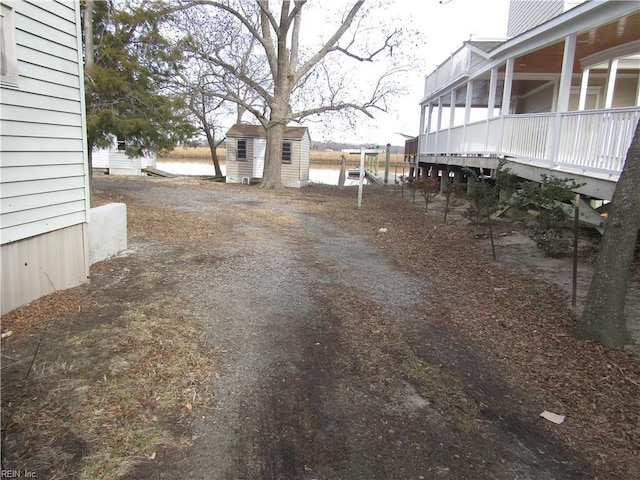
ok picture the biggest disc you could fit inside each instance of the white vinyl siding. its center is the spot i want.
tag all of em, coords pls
(238, 169)
(117, 162)
(295, 174)
(43, 168)
(527, 14)
(305, 153)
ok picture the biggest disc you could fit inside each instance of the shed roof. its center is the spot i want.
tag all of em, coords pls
(243, 130)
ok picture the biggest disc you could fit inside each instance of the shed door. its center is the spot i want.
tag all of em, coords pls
(259, 149)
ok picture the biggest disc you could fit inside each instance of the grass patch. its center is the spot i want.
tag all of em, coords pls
(128, 387)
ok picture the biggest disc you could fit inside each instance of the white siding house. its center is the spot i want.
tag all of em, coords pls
(246, 146)
(562, 97)
(43, 163)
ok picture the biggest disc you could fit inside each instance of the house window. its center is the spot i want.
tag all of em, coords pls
(242, 151)
(286, 152)
(8, 60)
(122, 146)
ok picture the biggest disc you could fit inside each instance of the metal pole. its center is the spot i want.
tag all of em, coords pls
(386, 164)
(361, 177)
(576, 221)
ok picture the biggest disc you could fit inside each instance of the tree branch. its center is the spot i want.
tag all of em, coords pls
(296, 14)
(240, 75)
(335, 108)
(372, 55)
(265, 38)
(267, 21)
(309, 64)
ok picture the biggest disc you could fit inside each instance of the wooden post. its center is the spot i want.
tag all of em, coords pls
(444, 179)
(361, 177)
(395, 178)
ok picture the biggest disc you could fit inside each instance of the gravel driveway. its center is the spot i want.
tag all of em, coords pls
(329, 364)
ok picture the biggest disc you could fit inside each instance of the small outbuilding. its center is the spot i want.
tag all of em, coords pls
(115, 161)
(246, 147)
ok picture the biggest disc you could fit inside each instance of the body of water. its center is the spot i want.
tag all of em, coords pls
(318, 174)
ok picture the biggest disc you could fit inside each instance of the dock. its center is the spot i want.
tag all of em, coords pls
(371, 178)
(154, 172)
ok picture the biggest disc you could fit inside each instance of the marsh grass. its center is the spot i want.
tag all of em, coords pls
(202, 154)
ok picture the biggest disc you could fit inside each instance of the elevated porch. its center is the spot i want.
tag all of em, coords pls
(589, 146)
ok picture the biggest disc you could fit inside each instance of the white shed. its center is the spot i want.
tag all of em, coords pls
(43, 157)
(115, 161)
(246, 147)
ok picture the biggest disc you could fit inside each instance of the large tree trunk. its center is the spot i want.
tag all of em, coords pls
(271, 177)
(603, 317)
(88, 33)
(214, 151)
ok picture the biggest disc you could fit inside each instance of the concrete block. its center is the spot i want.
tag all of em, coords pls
(107, 231)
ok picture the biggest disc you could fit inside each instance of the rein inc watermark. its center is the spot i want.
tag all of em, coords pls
(18, 474)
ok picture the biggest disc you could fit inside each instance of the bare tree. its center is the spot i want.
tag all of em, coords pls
(207, 110)
(603, 318)
(293, 80)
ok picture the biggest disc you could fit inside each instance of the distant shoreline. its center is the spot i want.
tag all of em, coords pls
(202, 154)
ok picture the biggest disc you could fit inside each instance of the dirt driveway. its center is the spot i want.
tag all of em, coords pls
(315, 351)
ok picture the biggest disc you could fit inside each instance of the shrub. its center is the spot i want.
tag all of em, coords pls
(549, 200)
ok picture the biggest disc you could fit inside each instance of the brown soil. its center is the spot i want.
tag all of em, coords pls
(253, 334)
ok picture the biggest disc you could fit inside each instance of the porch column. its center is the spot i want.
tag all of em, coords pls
(427, 128)
(421, 135)
(422, 120)
(584, 86)
(429, 144)
(506, 100)
(467, 112)
(611, 82)
(438, 126)
(452, 108)
(491, 104)
(564, 90)
(452, 115)
(468, 102)
(506, 91)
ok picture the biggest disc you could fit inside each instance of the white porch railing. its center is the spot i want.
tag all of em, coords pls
(456, 65)
(593, 141)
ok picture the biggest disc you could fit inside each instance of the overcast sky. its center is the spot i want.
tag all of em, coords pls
(445, 26)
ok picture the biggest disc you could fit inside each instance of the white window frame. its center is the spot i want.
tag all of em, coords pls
(8, 38)
(245, 149)
(287, 153)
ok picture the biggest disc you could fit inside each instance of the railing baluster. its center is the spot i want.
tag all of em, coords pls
(592, 141)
